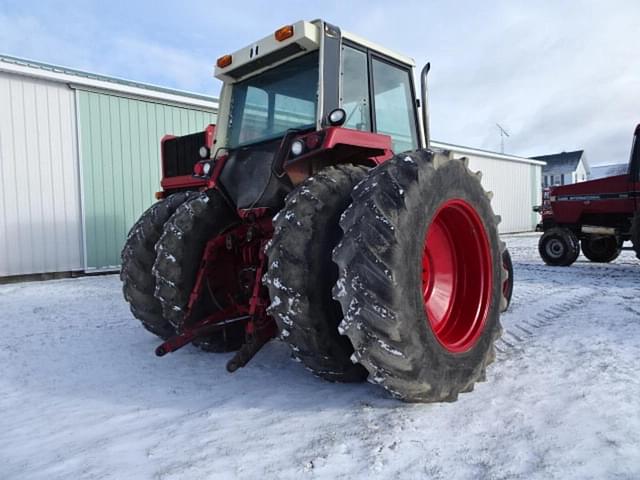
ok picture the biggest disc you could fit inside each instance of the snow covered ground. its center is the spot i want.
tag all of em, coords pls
(83, 396)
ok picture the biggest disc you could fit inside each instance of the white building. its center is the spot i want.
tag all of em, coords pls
(515, 183)
(79, 162)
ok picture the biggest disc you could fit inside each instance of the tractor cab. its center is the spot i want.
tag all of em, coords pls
(305, 97)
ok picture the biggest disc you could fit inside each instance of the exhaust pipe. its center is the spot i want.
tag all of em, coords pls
(425, 105)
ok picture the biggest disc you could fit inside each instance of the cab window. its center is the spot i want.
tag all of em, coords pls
(355, 89)
(394, 105)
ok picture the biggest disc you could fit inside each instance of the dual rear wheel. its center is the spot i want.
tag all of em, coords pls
(405, 262)
(160, 259)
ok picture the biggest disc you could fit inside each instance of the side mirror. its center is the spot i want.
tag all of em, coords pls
(336, 117)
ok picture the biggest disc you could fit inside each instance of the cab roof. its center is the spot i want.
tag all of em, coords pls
(269, 51)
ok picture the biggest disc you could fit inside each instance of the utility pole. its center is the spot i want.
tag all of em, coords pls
(503, 133)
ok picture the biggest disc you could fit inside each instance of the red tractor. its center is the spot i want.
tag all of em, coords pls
(315, 211)
(597, 216)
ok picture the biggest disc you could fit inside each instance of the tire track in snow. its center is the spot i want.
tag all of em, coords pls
(514, 335)
(543, 294)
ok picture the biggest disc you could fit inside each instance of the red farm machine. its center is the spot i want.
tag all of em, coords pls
(597, 216)
(315, 212)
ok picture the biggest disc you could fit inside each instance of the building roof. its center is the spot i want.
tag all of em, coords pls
(608, 170)
(81, 79)
(563, 162)
(484, 153)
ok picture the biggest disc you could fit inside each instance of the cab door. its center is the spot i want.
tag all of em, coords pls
(377, 93)
(394, 103)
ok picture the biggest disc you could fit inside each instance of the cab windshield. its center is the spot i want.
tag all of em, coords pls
(267, 105)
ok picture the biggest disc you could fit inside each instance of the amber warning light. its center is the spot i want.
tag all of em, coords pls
(224, 61)
(283, 33)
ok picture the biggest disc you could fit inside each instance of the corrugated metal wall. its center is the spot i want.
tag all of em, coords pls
(40, 221)
(120, 163)
(516, 189)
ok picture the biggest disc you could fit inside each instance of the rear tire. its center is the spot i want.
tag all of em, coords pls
(301, 273)
(601, 249)
(179, 251)
(559, 247)
(381, 284)
(138, 255)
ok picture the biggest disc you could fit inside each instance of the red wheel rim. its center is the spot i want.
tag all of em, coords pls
(457, 275)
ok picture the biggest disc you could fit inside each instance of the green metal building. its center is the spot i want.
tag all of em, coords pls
(119, 141)
(97, 141)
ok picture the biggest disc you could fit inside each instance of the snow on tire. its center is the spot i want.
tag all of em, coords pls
(138, 256)
(179, 251)
(301, 273)
(420, 277)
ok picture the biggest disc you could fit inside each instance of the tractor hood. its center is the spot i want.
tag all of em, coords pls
(591, 187)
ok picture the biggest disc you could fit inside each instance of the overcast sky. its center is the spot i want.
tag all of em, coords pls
(558, 75)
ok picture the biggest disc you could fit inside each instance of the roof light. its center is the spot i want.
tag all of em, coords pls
(224, 61)
(283, 33)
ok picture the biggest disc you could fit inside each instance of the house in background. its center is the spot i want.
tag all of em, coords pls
(564, 168)
(608, 170)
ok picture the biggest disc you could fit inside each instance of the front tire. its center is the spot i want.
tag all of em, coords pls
(559, 247)
(421, 277)
(601, 249)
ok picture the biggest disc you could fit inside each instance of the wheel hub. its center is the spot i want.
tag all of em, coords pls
(457, 275)
(555, 248)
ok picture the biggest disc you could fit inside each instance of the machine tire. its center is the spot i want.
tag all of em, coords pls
(301, 273)
(635, 233)
(179, 251)
(137, 257)
(601, 249)
(507, 286)
(381, 283)
(559, 247)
